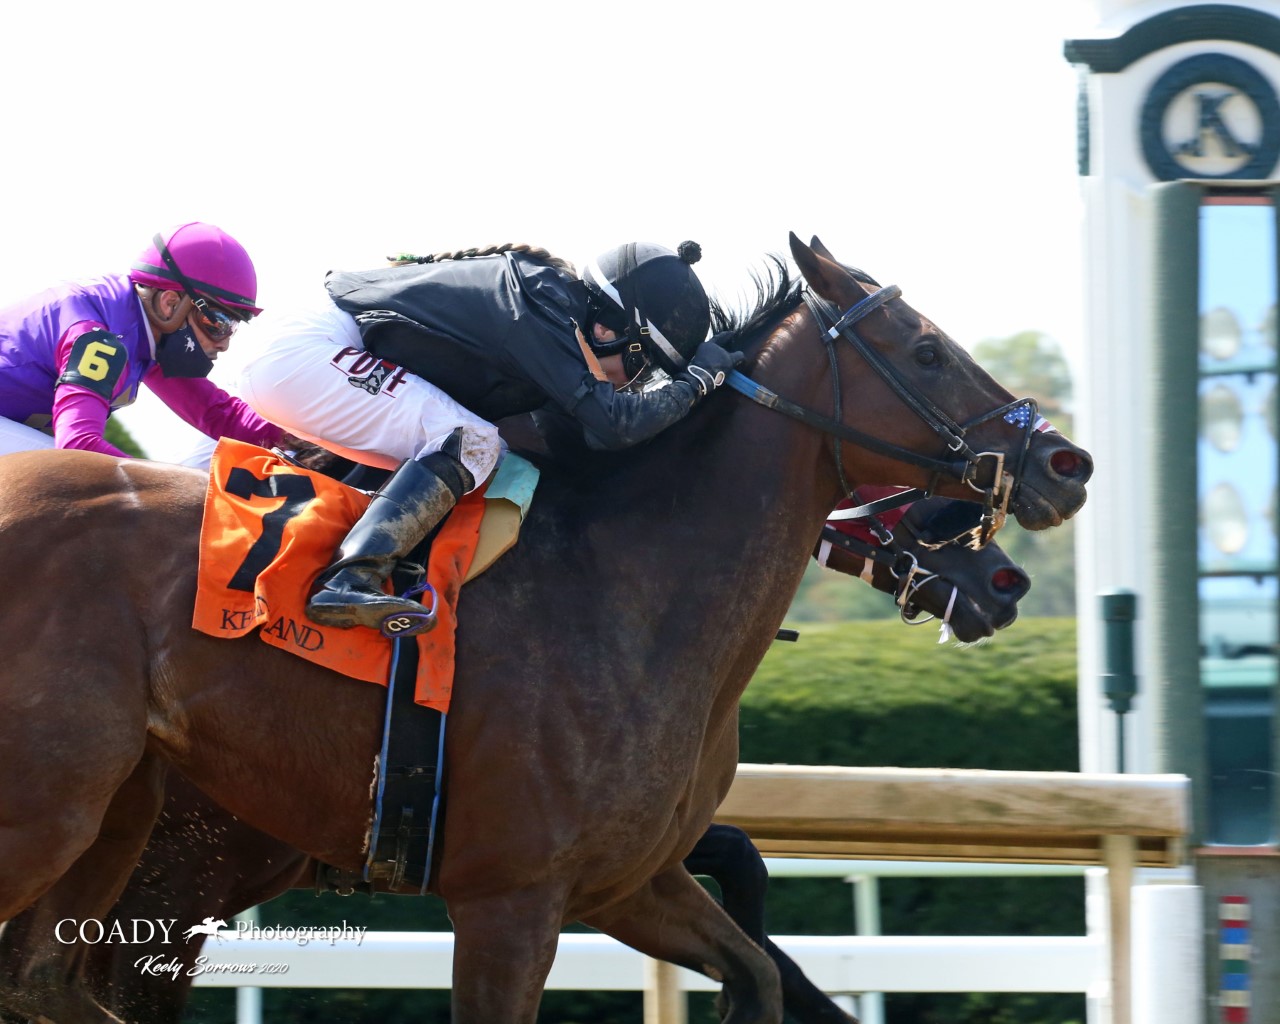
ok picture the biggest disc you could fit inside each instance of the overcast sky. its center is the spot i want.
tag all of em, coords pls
(930, 142)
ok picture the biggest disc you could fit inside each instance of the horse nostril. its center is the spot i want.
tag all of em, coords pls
(1069, 464)
(1010, 581)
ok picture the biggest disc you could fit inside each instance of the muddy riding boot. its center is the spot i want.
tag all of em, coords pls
(404, 510)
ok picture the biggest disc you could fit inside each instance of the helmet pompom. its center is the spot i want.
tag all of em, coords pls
(690, 252)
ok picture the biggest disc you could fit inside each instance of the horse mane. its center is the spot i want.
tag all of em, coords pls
(533, 252)
(776, 296)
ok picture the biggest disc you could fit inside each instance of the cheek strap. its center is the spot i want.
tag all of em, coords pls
(180, 313)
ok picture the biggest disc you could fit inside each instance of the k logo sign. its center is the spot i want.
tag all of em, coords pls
(1211, 116)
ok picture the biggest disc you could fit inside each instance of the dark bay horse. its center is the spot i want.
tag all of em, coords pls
(593, 729)
(927, 564)
(202, 861)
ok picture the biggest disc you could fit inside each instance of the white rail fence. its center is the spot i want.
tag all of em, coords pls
(864, 965)
(848, 964)
(943, 822)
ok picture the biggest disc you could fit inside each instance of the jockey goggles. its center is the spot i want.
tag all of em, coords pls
(217, 323)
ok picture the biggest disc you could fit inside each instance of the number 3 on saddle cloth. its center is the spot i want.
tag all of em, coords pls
(269, 529)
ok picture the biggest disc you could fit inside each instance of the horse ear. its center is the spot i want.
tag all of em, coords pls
(822, 274)
(815, 243)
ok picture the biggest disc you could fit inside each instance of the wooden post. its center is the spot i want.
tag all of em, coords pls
(664, 999)
(1120, 853)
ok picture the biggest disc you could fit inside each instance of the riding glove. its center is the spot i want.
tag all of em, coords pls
(709, 366)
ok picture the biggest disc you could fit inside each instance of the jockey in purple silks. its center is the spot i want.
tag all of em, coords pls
(80, 349)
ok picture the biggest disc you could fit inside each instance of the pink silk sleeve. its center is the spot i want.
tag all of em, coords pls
(79, 415)
(79, 419)
(211, 410)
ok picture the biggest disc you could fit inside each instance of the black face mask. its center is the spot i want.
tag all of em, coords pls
(180, 355)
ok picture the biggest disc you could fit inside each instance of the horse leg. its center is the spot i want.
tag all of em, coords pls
(503, 946)
(111, 972)
(673, 918)
(727, 855)
(61, 777)
(200, 861)
(37, 961)
(54, 797)
(225, 870)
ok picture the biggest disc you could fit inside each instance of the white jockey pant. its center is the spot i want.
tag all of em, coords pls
(18, 437)
(314, 379)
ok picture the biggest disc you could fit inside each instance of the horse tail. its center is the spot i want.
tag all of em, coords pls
(533, 252)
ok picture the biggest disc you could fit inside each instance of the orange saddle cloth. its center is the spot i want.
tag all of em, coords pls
(271, 527)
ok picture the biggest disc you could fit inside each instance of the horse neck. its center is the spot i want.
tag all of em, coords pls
(789, 364)
(752, 477)
(741, 491)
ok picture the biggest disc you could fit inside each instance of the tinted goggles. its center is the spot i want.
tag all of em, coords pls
(214, 321)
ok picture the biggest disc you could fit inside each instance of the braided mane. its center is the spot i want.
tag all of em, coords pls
(533, 252)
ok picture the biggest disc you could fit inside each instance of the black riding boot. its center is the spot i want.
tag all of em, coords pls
(404, 510)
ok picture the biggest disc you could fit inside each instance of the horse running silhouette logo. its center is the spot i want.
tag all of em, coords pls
(209, 926)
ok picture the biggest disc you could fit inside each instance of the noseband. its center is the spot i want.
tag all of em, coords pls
(901, 563)
(997, 487)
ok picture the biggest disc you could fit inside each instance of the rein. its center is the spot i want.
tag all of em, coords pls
(965, 467)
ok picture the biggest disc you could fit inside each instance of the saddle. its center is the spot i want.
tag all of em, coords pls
(270, 526)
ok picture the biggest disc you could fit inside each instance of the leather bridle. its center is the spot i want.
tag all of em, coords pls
(901, 563)
(983, 471)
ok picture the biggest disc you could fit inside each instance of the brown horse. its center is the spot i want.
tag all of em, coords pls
(593, 729)
(202, 861)
(927, 564)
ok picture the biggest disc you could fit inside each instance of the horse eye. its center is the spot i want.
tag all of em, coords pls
(926, 355)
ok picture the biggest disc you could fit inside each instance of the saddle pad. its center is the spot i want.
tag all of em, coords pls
(507, 498)
(270, 528)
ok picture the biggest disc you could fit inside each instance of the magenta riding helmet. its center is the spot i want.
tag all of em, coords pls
(201, 259)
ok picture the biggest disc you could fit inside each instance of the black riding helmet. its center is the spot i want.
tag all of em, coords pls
(651, 298)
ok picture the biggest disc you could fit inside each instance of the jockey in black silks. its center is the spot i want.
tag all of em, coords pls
(459, 343)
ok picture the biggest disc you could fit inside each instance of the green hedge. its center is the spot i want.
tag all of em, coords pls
(881, 693)
(118, 435)
(863, 693)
